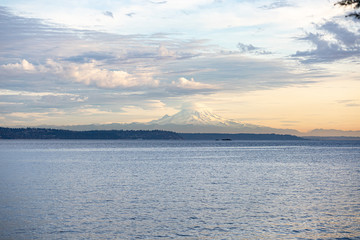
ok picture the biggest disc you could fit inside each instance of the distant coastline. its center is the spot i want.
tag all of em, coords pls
(48, 133)
(238, 136)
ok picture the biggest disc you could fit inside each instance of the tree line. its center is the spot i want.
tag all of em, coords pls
(45, 133)
(352, 3)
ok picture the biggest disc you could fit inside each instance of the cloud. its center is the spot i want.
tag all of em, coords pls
(244, 48)
(154, 104)
(131, 14)
(332, 42)
(193, 106)
(277, 4)
(10, 103)
(164, 52)
(23, 101)
(109, 14)
(184, 83)
(159, 2)
(31, 38)
(347, 37)
(7, 92)
(32, 115)
(236, 72)
(24, 65)
(86, 73)
(91, 111)
(353, 105)
(349, 103)
(90, 56)
(89, 73)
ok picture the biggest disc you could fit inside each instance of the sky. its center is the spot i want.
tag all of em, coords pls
(282, 64)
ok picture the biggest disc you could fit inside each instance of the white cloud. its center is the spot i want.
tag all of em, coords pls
(86, 73)
(35, 115)
(193, 106)
(92, 111)
(34, 99)
(184, 83)
(164, 52)
(152, 109)
(154, 104)
(7, 92)
(89, 73)
(24, 65)
(10, 103)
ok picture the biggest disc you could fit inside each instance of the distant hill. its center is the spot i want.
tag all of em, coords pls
(43, 133)
(238, 136)
(332, 133)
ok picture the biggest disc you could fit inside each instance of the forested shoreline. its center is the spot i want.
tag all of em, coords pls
(44, 133)
(48, 133)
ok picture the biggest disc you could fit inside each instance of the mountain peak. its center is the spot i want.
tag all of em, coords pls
(194, 116)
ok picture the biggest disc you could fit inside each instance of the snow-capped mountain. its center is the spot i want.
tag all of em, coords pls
(191, 119)
(203, 120)
(201, 116)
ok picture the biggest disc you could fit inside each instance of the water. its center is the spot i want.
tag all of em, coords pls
(55, 189)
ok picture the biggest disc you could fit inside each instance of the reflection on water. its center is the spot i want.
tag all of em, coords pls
(179, 190)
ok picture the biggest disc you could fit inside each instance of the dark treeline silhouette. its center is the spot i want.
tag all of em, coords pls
(352, 3)
(44, 133)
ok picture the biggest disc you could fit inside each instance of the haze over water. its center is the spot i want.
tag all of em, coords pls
(179, 189)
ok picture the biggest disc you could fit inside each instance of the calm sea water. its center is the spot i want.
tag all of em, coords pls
(69, 189)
